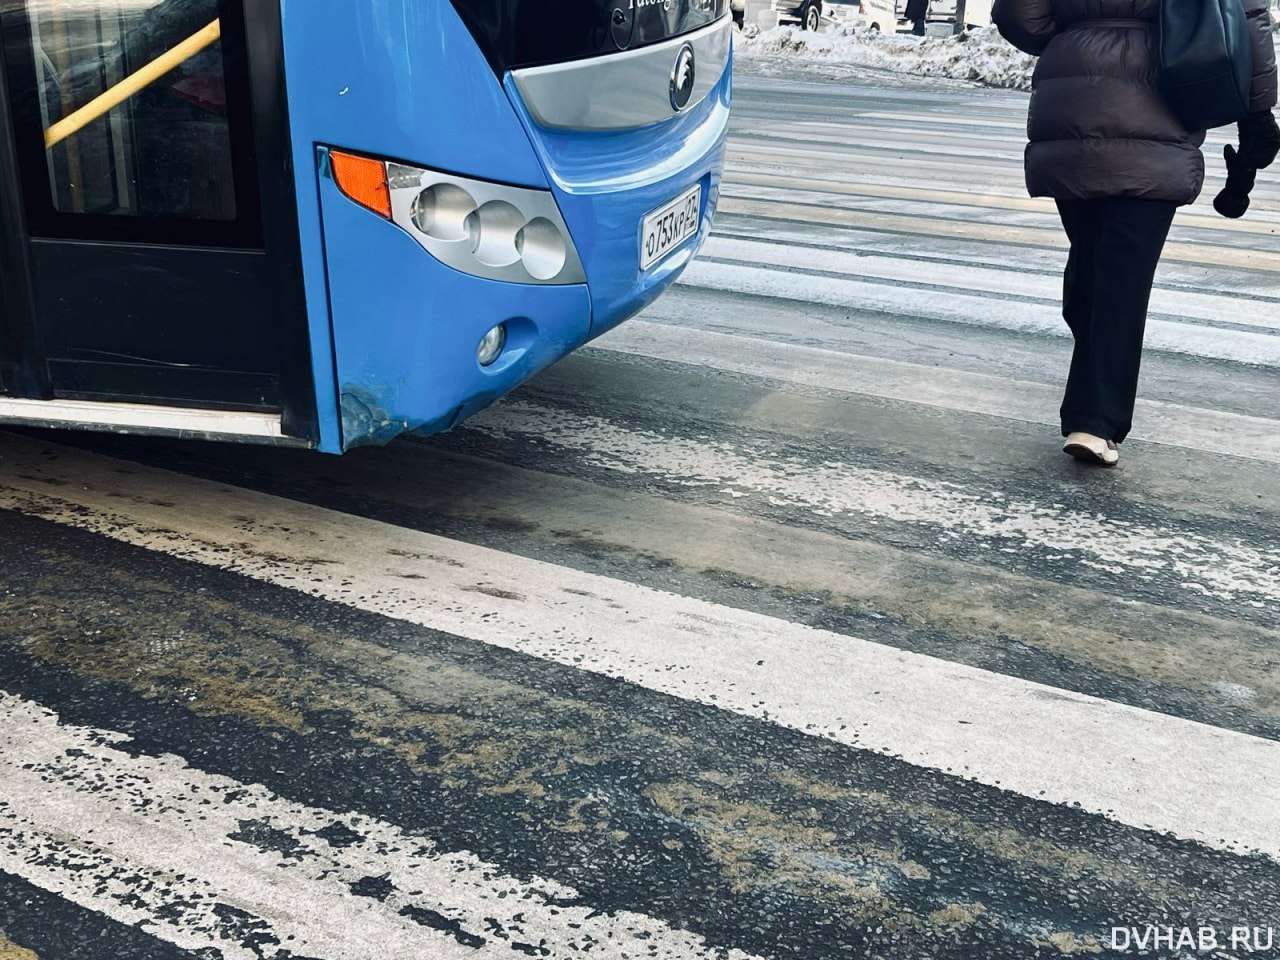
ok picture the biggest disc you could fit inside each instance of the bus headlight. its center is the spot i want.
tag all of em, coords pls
(486, 229)
(492, 229)
(441, 212)
(542, 247)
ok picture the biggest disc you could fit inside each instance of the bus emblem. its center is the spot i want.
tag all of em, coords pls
(682, 75)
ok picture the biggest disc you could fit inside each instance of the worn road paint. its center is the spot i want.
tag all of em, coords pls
(1006, 198)
(991, 519)
(1169, 424)
(11, 951)
(205, 862)
(1014, 287)
(1238, 346)
(1043, 237)
(1134, 766)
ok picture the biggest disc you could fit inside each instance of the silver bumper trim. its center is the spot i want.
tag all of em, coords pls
(625, 90)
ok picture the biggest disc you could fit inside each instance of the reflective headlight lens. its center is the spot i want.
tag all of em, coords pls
(491, 345)
(441, 211)
(492, 230)
(542, 248)
(486, 229)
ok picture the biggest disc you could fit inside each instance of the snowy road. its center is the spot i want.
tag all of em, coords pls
(772, 625)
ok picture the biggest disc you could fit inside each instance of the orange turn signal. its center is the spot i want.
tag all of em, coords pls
(363, 180)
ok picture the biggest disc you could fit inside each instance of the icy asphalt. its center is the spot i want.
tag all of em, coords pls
(773, 625)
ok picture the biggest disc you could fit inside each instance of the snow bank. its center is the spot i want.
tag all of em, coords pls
(979, 55)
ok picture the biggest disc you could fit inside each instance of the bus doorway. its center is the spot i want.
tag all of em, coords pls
(149, 251)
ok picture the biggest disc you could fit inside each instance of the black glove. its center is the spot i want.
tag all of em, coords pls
(1233, 201)
(1259, 139)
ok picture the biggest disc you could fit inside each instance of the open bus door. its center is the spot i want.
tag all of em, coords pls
(149, 264)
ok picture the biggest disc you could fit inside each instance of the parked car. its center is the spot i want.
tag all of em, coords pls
(808, 13)
(879, 15)
(943, 11)
(977, 13)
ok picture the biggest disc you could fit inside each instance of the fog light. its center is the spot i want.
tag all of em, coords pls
(491, 345)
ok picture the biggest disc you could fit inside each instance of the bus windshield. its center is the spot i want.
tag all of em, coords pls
(526, 33)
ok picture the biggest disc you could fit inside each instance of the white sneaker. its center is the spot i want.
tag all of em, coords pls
(1091, 449)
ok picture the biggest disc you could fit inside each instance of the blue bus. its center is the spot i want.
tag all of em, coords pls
(332, 222)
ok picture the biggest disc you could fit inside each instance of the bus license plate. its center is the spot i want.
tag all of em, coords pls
(669, 226)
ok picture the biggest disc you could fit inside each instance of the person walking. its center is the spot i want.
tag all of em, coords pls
(1109, 149)
(917, 12)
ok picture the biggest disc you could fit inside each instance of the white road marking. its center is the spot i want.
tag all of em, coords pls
(976, 279)
(1134, 766)
(983, 150)
(794, 162)
(909, 148)
(981, 515)
(919, 251)
(1168, 424)
(1017, 127)
(1240, 346)
(206, 862)
(998, 198)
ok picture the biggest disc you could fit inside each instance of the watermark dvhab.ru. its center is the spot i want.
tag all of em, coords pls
(1244, 940)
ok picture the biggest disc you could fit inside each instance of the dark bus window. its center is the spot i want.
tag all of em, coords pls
(173, 162)
(163, 152)
(523, 33)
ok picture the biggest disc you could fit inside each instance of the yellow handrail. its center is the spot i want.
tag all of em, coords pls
(132, 84)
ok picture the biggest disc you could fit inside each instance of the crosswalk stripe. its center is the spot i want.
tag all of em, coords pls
(905, 146)
(1210, 431)
(915, 121)
(1220, 308)
(1041, 742)
(972, 99)
(1200, 254)
(1240, 346)
(152, 841)
(969, 143)
(918, 251)
(798, 158)
(897, 223)
(1225, 569)
(1260, 222)
(854, 165)
(868, 184)
(924, 165)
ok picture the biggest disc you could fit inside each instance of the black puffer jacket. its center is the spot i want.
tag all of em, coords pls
(1098, 124)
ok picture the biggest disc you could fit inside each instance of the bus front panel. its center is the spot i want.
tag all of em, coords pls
(465, 223)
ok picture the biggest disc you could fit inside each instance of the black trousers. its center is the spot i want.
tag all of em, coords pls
(1115, 247)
